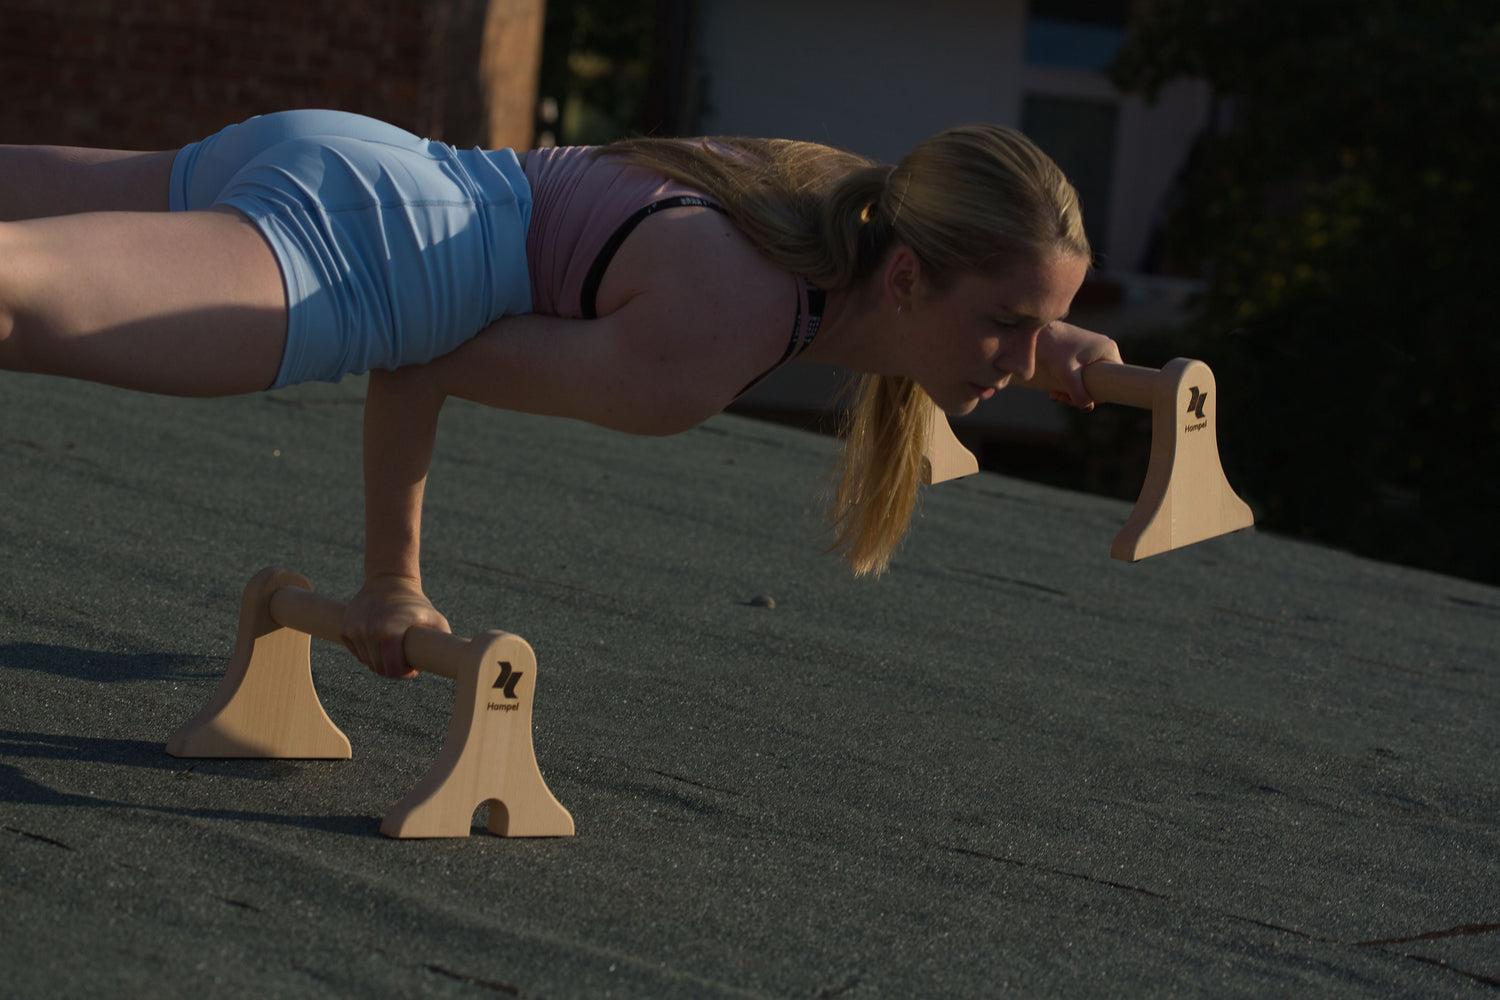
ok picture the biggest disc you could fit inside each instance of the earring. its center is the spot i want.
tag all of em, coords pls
(898, 310)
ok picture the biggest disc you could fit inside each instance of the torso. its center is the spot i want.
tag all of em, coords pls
(584, 263)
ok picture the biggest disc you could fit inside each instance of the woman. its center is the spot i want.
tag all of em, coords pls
(642, 287)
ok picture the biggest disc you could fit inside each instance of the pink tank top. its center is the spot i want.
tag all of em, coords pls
(582, 208)
(578, 201)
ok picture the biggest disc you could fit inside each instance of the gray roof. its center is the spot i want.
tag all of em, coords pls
(1012, 766)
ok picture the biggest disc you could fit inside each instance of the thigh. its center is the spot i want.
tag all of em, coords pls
(187, 303)
(41, 181)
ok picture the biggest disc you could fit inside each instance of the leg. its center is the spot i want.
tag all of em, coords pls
(41, 181)
(185, 303)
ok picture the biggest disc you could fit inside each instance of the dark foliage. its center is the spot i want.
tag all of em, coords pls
(595, 63)
(1345, 209)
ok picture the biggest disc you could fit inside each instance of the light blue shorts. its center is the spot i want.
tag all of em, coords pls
(394, 249)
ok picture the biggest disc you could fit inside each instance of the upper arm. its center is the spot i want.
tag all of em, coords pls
(689, 315)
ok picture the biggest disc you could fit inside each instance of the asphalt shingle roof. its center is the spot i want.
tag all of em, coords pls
(1012, 767)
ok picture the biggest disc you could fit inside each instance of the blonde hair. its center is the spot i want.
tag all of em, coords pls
(969, 199)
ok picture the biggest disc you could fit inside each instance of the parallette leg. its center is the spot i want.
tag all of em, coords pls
(943, 456)
(488, 755)
(1186, 497)
(266, 705)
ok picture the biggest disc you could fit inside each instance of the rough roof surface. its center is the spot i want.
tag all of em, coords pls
(1012, 767)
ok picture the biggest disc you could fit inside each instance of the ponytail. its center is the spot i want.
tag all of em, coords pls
(810, 210)
(875, 488)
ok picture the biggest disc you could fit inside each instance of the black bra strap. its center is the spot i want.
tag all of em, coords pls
(802, 335)
(590, 295)
(817, 300)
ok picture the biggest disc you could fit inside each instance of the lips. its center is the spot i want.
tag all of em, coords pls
(984, 391)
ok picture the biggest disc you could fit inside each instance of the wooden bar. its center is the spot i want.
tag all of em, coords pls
(1127, 385)
(426, 649)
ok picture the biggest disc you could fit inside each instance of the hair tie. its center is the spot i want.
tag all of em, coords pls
(874, 237)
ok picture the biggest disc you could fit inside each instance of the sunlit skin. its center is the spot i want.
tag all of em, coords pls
(966, 342)
(982, 333)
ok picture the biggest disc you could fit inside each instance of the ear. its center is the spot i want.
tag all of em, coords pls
(901, 278)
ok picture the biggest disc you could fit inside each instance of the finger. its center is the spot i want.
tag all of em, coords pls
(357, 651)
(393, 658)
(373, 656)
(1074, 392)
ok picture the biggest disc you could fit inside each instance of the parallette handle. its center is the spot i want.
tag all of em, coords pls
(1107, 382)
(426, 648)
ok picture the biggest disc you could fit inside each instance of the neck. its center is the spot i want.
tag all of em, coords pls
(853, 333)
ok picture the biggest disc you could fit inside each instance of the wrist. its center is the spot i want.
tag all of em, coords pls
(393, 579)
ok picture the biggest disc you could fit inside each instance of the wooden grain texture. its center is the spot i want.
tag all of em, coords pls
(1185, 497)
(266, 706)
(943, 456)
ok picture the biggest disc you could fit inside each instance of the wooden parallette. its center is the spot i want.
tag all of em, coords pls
(944, 457)
(1185, 497)
(266, 706)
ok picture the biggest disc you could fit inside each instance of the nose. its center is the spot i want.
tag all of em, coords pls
(1018, 354)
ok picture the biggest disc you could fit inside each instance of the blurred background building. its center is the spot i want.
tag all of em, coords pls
(161, 73)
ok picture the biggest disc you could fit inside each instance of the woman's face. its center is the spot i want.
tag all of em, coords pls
(980, 334)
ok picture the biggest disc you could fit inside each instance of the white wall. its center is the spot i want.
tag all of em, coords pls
(871, 76)
(877, 76)
(1150, 146)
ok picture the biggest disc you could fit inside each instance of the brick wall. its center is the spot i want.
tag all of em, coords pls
(154, 74)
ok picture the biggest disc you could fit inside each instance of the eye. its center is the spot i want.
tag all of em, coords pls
(1008, 324)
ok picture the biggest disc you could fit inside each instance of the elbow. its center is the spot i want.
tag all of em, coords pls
(411, 383)
(665, 417)
(664, 423)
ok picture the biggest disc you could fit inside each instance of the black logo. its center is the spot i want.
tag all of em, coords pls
(1195, 405)
(508, 679)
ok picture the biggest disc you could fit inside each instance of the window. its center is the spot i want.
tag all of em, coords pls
(1081, 34)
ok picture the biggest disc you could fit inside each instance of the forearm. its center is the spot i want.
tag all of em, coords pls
(401, 417)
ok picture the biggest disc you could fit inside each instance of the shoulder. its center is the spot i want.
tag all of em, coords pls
(689, 290)
(694, 252)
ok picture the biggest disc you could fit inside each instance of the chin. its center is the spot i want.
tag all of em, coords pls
(959, 408)
(956, 401)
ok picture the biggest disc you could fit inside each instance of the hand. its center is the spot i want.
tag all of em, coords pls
(1064, 350)
(376, 621)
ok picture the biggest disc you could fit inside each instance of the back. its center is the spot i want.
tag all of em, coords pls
(579, 200)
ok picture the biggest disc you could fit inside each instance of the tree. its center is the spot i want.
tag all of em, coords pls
(595, 66)
(1344, 207)
(509, 70)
